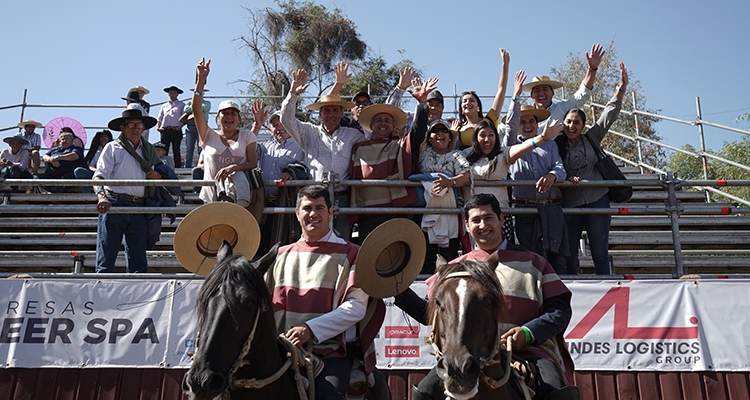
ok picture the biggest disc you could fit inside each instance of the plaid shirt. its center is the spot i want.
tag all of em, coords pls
(35, 140)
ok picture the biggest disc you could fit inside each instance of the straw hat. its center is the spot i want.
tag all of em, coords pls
(540, 113)
(369, 112)
(140, 88)
(541, 80)
(390, 258)
(30, 122)
(329, 100)
(201, 233)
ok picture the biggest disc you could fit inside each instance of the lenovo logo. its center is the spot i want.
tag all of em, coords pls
(401, 332)
(619, 298)
(402, 351)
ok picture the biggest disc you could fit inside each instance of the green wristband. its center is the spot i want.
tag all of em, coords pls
(528, 334)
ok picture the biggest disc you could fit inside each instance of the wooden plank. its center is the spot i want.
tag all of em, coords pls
(585, 383)
(397, 383)
(7, 382)
(108, 382)
(737, 386)
(45, 383)
(67, 384)
(88, 383)
(692, 385)
(171, 386)
(627, 386)
(129, 384)
(25, 384)
(413, 380)
(605, 386)
(714, 384)
(648, 385)
(669, 383)
(151, 384)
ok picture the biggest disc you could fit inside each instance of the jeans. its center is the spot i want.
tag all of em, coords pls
(191, 142)
(333, 381)
(197, 175)
(597, 230)
(525, 234)
(84, 173)
(109, 232)
(173, 137)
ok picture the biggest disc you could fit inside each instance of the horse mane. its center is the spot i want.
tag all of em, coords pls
(482, 272)
(230, 276)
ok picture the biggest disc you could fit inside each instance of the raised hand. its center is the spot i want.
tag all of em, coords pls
(260, 114)
(623, 76)
(202, 70)
(299, 79)
(595, 58)
(455, 125)
(342, 72)
(505, 56)
(552, 130)
(422, 88)
(405, 77)
(518, 83)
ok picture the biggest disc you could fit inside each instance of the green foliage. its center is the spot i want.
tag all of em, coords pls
(739, 152)
(571, 73)
(376, 77)
(688, 167)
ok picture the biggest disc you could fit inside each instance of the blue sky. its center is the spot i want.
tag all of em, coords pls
(91, 52)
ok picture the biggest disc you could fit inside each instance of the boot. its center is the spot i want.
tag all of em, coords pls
(566, 393)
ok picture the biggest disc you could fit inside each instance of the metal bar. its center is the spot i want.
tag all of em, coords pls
(95, 276)
(715, 183)
(637, 134)
(729, 196)
(724, 160)
(728, 128)
(702, 137)
(674, 207)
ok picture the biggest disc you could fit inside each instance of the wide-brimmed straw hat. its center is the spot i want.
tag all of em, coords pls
(30, 122)
(16, 139)
(390, 258)
(134, 111)
(329, 100)
(369, 112)
(201, 233)
(541, 80)
(140, 88)
(540, 113)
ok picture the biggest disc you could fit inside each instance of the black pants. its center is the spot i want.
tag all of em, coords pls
(333, 381)
(173, 137)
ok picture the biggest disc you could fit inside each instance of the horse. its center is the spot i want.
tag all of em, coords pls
(239, 354)
(466, 306)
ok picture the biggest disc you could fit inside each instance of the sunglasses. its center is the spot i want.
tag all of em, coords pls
(440, 130)
(362, 102)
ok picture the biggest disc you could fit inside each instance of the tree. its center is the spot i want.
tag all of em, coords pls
(739, 152)
(298, 35)
(688, 167)
(376, 77)
(572, 71)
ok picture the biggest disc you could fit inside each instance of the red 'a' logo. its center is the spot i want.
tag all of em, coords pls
(619, 298)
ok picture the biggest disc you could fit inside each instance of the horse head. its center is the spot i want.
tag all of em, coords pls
(232, 298)
(465, 308)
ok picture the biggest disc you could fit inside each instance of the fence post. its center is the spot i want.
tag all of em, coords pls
(674, 208)
(704, 160)
(637, 134)
(23, 107)
(330, 181)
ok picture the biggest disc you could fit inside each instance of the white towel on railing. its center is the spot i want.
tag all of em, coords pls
(440, 228)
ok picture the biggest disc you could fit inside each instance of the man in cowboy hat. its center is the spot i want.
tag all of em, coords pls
(328, 146)
(543, 233)
(128, 157)
(316, 297)
(135, 96)
(168, 123)
(33, 143)
(539, 302)
(14, 160)
(542, 88)
(384, 157)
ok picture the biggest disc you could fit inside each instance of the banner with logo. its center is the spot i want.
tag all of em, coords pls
(617, 325)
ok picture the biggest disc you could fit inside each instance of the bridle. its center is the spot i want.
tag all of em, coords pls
(493, 359)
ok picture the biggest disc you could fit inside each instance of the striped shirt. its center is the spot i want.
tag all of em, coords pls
(325, 152)
(35, 140)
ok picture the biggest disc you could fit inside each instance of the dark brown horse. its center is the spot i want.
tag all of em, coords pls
(238, 345)
(465, 308)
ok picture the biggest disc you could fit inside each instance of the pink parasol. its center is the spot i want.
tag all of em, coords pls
(52, 129)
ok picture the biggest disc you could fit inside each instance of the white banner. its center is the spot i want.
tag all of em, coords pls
(617, 325)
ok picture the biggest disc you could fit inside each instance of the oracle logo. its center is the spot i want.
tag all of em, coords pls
(401, 332)
(402, 351)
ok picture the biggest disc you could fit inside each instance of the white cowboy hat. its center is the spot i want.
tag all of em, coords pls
(329, 100)
(541, 80)
(201, 233)
(367, 114)
(390, 258)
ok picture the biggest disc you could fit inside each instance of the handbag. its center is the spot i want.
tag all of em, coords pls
(610, 172)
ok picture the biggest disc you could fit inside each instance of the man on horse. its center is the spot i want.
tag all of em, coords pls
(538, 303)
(317, 300)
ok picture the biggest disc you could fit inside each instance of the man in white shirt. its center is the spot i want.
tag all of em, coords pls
(168, 123)
(328, 146)
(127, 157)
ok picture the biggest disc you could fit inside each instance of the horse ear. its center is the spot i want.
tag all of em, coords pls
(440, 263)
(225, 251)
(267, 260)
(494, 259)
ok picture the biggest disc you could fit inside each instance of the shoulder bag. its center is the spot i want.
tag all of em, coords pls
(610, 172)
